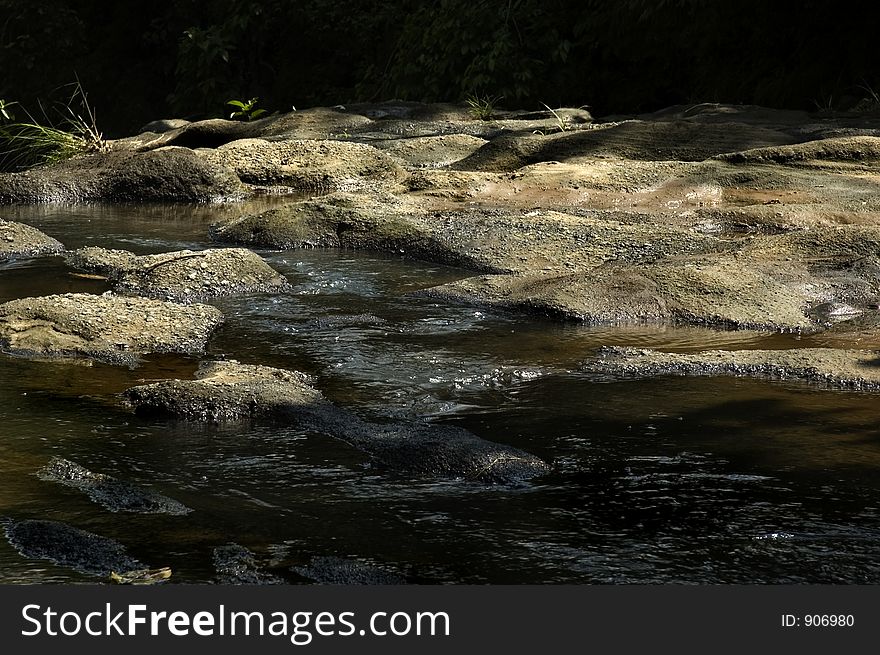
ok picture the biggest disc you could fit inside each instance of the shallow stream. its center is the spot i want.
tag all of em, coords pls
(672, 480)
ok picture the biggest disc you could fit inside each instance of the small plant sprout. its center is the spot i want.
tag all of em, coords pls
(482, 108)
(5, 111)
(561, 123)
(245, 111)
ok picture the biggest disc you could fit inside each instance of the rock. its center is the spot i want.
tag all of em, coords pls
(181, 276)
(633, 139)
(20, 240)
(105, 328)
(229, 391)
(237, 565)
(431, 151)
(305, 164)
(338, 571)
(167, 174)
(164, 125)
(71, 547)
(345, 220)
(829, 367)
(112, 494)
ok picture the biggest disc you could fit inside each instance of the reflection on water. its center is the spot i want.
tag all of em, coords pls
(667, 480)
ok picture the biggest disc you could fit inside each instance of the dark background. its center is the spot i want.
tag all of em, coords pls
(145, 59)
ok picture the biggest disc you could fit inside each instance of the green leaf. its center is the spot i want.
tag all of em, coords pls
(235, 103)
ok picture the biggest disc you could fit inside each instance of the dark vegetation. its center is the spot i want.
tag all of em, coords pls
(141, 60)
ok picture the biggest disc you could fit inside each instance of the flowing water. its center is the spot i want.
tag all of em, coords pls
(671, 480)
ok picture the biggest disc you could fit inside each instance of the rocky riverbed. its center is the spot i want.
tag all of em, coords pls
(708, 216)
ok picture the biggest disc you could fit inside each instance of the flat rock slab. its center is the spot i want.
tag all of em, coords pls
(305, 164)
(181, 276)
(832, 367)
(109, 492)
(229, 391)
(105, 328)
(71, 547)
(20, 240)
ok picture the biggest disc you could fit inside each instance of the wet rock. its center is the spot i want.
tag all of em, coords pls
(106, 328)
(20, 240)
(181, 276)
(343, 220)
(305, 164)
(338, 571)
(831, 367)
(229, 391)
(71, 547)
(109, 492)
(166, 174)
(237, 565)
(440, 451)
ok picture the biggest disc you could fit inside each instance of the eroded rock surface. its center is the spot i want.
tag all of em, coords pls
(20, 240)
(109, 492)
(181, 276)
(225, 391)
(842, 368)
(167, 174)
(105, 328)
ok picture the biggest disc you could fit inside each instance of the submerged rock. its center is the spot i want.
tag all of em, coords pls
(71, 547)
(338, 571)
(105, 328)
(112, 494)
(832, 367)
(237, 565)
(20, 240)
(227, 391)
(181, 276)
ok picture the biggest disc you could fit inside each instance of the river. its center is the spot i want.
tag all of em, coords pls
(671, 480)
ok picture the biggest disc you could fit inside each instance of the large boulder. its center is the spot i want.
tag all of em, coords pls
(181, 276)
(305, 164)
(20, 240)
(104, 328)
(227, 391)
(165, 174)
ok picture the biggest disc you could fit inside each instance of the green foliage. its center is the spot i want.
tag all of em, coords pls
(27, 144)
(482, 108)
(245, 111)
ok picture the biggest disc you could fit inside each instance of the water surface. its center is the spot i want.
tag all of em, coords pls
(673, 480)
